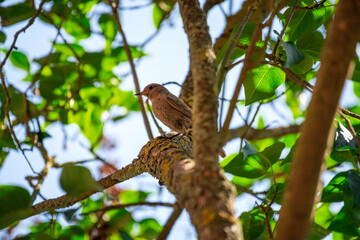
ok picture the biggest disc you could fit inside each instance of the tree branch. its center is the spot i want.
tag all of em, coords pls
(132, 66)
(338, 52)
(258, 134)
(211, 205)
(170, 223)
(121, 175)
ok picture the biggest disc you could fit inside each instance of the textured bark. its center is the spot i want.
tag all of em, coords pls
(338, 51)
(211, 205)
(64, 201)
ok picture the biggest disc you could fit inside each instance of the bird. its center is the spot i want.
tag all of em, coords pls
(170, 109)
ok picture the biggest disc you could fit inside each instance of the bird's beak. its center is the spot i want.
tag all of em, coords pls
(141, 93)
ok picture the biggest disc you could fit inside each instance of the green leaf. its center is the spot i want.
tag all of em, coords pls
(6, 140)
(279, 193)
(79, 28)
(109, 30)
(261, 83)
(323, 215)
(344, 139)
(354, 185)
(318, 232)
(356, 88)
(253, 223)
(356, 74)
(15, 204)
(19, 60)
(2, 37)
(250, 167)
(149, 228)
(16, 13)
(343, 155)
(3, 154)
(130, 196)
(120, 53)
(272, 153)
(69, 51)
(108, 63)
(333, 192)
(158, 16)
(161, 11)
(344, 223)
(304, 66)
(311, 43)
(77, 180)
(303, 21)
(292, 54)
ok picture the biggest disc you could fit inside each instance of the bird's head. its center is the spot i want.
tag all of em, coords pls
(153, 90)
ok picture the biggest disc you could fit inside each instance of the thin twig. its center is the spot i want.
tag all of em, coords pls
(248, 191)
(30, 22)
(285, 26)
(249, 125)
(2, 77)
(244, 70)
(51, 50)
(56, 165)
(121, 206)
(351, 114)
(132, 66)
(266, 211)
(311, 7)
(153, 117)
(170, 223)
(350, 128)
(135, 7)
(98, 157)
(222, 71)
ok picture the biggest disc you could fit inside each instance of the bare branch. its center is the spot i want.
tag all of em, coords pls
(121, 206)
(170, 223)
(285, 26)
(244, 70)
(132, 66)
(258, 134)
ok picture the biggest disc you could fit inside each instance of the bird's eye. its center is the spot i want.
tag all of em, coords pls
(150, 87)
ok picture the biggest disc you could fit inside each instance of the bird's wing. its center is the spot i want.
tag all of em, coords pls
(179, 105)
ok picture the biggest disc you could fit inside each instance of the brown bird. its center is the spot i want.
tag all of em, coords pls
(169, 109)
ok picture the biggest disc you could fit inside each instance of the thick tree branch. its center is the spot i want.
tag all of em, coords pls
(338, 52)
(211, 206)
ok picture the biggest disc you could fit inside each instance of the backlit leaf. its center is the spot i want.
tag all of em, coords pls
(15, 204)
(77, 180)
(261, 83)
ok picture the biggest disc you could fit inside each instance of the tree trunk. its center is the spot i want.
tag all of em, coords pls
(339, 49)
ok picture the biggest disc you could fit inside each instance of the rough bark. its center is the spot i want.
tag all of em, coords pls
(338, 51)
(211, 207)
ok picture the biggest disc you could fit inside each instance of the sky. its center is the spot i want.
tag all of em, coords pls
(167, 61)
